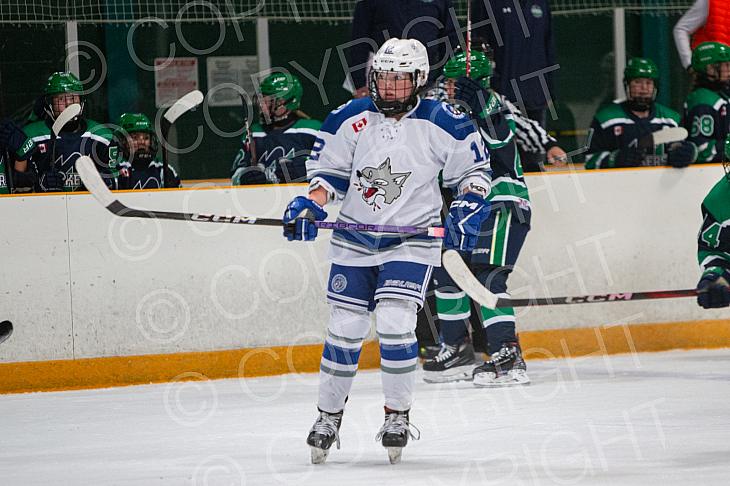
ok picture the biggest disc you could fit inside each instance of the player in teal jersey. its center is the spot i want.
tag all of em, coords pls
(501, 237)
(47, 165)
(277, 147)
(620, 134)
(713, 242)
(705, 110)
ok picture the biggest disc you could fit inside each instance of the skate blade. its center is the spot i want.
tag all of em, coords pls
(448, 376)
(319, 455)
(394, 454)
(502, 381)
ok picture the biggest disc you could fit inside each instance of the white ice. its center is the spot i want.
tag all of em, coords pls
(655, 418)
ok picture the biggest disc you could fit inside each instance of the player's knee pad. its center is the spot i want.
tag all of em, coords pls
(396, 317)
(348, 323)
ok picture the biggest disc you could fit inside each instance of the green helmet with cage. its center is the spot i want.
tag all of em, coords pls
(480, 67)
(58, 84)
(129, 124)
(640, 68)
(280, 89)
(711, 54)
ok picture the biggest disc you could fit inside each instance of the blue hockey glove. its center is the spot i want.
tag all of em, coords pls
(11, 136)
(464, 220)
(681, 154)
(630, 156)
(299, 219)
(714, 292)
(471, 94)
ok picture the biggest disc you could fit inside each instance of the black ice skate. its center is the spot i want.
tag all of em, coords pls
(453, 363)
(505, 368)
(323, 433)
(395, 432)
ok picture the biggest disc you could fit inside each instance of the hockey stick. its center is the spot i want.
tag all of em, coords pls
(95, 185)
(669, 135)
(468, 38)
(460, 273)
(6, 329)
(71, 112)
(181, 106)
(660, 137)
(249, 143)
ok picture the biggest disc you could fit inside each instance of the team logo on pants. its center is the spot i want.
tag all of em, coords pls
(339, 283)
(381, 182)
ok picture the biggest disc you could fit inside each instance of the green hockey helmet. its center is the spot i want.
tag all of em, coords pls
(60, 83)
(709, 53)
(480, 67)
(128, 124)
(282, 87)
(640, 68)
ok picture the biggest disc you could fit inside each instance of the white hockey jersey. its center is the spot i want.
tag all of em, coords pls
(386, 171)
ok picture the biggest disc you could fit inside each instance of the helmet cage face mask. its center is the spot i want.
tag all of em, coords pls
(395, 60)
(407, 100)
(62, 86)
(640, 103)
(132, 153)
(714, 81)
(269, 109)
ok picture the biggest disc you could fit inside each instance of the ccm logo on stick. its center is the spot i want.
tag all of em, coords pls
(599, 298)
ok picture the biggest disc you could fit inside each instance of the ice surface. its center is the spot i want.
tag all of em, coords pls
(658, 418)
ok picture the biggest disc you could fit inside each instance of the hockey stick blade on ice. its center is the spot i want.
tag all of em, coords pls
(95, 185)
(466, 281)
(6, 329)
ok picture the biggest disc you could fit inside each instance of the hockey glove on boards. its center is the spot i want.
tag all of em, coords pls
(681, 154)
(466, 214)
(299, 219)
(470, 95)
(630, 157)
(714, 291)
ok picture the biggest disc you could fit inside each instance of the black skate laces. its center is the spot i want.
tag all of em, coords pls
(397, 423)
(327, 424)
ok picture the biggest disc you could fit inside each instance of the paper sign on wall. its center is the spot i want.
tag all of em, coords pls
(174, 78)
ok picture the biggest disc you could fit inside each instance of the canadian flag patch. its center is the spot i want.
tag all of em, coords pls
(359, 125)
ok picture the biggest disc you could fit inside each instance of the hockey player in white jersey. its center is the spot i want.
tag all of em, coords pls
(381, 157)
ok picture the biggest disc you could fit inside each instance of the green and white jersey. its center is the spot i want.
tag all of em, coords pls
(706, 120)
(90, 138)
(616, 128)
(497, 128)
(713, 242)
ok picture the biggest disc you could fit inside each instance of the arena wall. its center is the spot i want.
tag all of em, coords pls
(90, 293)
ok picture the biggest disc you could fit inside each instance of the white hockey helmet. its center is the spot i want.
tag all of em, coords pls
(400, 56)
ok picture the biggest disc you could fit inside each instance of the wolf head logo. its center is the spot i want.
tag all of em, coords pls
(381, 182)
